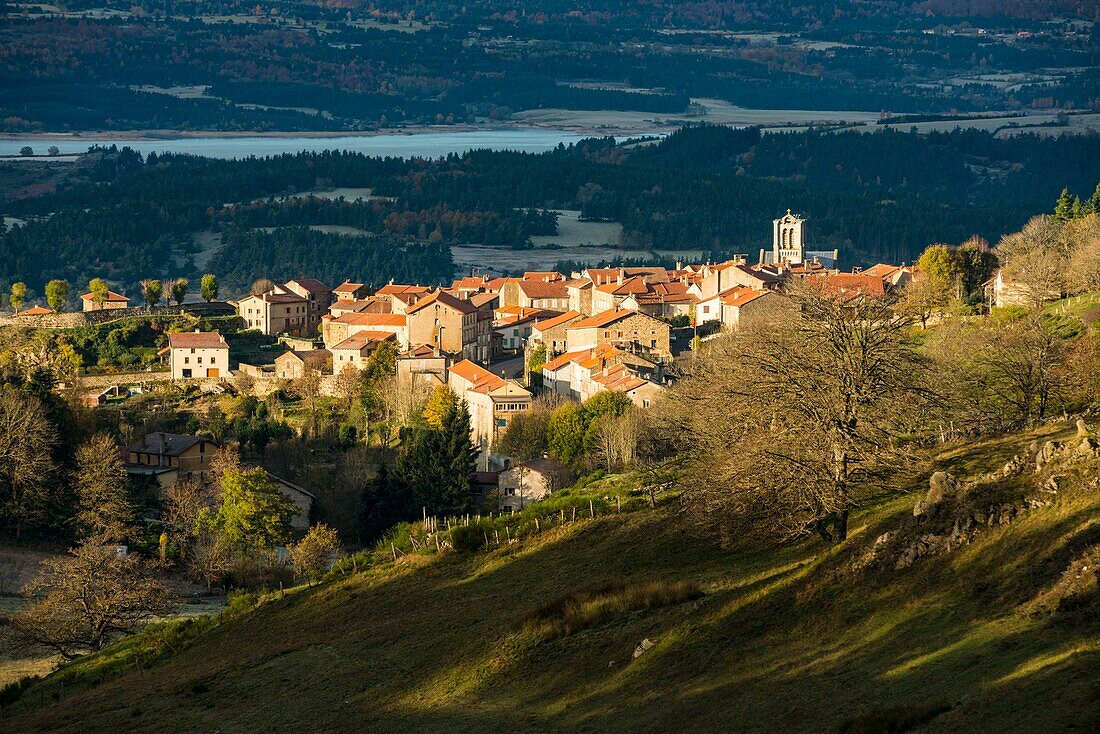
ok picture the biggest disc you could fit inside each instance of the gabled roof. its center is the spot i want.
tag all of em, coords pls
(444, 299)
(513, 315)
(483, 299)
(483, 381)
(308, 356)
(370, 319)
(496, 284)
(541, 289)
(111, 296)
(393, 289)
(421, 351)
(36, 311)
(546, 276)
(364, 338)
(565, 318)
(590, 357)
(166, 444)
(347, 287)
(870, 285)
(470, 282)
(740, 295)
(312, 285)
(197, 340)
(604, 318)
(634, 284)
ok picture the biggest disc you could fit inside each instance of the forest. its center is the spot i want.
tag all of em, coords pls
(876, 197)
(297, 66)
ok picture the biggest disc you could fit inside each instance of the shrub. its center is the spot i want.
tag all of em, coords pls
(469, 538)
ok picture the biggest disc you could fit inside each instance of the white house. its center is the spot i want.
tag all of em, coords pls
(198, 354)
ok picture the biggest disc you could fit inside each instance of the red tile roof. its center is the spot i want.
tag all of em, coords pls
(444, 299)
(36, 311)
(347, 287)
(604, 318)
(371, 319)
(550, 323)
(111, 296)
(364, 338)
(197, 340)
(540, 289)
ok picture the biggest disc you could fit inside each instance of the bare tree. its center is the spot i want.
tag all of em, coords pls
(184, 500)
(87, 598)
(617, 439)
(783, 422)
(26, 462)
(308, 389)
(104, 508)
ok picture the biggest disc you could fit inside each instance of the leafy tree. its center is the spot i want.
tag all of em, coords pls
(314, 553)
(18, 295)
(536, 359)
(84, 600)
(441, 401)
(526, 435)
(104, 508)
(180, 286)
(57, 294)
(254, 513)
(565, 433)
(151, 290)
(99, 290)
(208, 287)
(26, 150)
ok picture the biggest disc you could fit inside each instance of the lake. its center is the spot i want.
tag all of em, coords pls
(422, 144)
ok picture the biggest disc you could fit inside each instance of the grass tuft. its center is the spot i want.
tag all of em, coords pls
(574, 612)
(895, 719)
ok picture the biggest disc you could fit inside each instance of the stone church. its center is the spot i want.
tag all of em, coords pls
(789, 244)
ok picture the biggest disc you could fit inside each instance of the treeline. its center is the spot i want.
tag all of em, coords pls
(882, 196)
(440, 223)
(487, 62)
(294, 252)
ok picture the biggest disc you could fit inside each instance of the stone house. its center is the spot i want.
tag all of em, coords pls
(628, 330)
(348, 291)
(336, 330)
(530, 481)
(356, 350)
(318, 297)
(552, 295)
(196, 354)
(111, 302)
(278, 311)
(171, 456)
(447, 323)
(292, 364)
(422, 365)
(551, 331)
(492, 402)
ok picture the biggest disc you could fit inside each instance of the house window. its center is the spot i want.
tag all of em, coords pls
(187, 360)
(200, 360)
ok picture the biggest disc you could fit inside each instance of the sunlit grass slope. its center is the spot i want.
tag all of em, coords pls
(540, 637)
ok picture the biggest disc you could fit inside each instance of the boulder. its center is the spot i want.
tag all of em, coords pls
(1082, 428)
(939, 486)
(643, 647)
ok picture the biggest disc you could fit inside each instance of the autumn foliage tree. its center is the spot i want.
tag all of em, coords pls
(781, 424)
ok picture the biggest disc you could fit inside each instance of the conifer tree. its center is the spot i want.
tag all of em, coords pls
(1067, 205)
(1092, 204)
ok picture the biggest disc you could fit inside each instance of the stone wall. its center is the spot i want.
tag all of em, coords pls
(74, 319)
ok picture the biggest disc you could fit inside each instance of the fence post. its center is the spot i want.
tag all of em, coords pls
(618, 504)
(574, 514)
(538, 528)
(393, 550)
(591, 510)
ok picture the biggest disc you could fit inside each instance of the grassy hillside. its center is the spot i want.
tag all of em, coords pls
(998, 635)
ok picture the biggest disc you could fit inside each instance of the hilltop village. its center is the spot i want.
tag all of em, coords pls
(495, 343)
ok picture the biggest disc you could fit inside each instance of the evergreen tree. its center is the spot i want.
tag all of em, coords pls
(460, 456)
(1092, 204)
(1066, 206)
